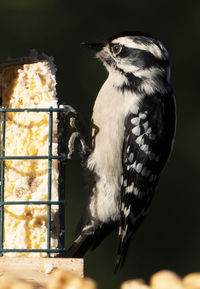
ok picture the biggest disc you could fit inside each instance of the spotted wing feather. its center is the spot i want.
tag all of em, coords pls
(145, 152)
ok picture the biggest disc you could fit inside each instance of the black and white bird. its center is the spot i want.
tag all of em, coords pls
(132, 133)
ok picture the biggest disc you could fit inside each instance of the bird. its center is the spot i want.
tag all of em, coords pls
(132, 134)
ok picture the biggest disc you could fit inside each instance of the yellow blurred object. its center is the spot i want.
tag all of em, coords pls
(61, 279)
(67, 280)
(134, 284)
(10, 282)
(29, 83)
(6, 281)
(165, 280)
(192, 281)
(21, 285)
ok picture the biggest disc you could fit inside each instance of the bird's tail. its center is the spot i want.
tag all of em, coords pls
(126, 231)
(80, 246)
(89, 241)
(121, 254)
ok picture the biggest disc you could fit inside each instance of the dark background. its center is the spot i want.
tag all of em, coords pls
(170, 236)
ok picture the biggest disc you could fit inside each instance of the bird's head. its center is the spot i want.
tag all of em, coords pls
(133, 54)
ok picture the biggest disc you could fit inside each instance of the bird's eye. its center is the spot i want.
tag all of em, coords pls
(116, 49)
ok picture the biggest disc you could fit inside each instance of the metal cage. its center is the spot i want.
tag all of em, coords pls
(61, 191)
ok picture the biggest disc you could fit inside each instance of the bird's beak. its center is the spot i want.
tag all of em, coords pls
(94, 46)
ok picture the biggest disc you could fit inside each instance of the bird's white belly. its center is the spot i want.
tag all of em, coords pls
(106, 159)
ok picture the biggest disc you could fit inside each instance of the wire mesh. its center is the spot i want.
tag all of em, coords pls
(49, 157)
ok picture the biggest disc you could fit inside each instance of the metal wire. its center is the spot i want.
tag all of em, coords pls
(49, 202)
(2, 178)
(49, 185)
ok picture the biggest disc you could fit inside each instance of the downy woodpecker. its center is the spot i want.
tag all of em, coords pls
(132, 132)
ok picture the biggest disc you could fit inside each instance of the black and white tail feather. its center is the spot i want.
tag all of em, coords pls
(133, 127)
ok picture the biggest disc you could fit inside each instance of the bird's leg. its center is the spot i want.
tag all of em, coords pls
(75, 133)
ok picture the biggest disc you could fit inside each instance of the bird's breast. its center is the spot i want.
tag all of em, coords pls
(109, 112)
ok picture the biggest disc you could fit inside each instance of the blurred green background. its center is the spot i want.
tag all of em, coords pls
(170, 236)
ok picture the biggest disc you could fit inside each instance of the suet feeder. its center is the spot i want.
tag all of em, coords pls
(33, 156)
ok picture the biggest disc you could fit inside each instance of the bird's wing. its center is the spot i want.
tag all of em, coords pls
(145, 152)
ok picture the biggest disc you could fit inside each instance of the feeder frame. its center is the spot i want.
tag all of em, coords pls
(61, 191)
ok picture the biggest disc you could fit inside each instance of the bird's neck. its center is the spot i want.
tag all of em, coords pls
(145, 81)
